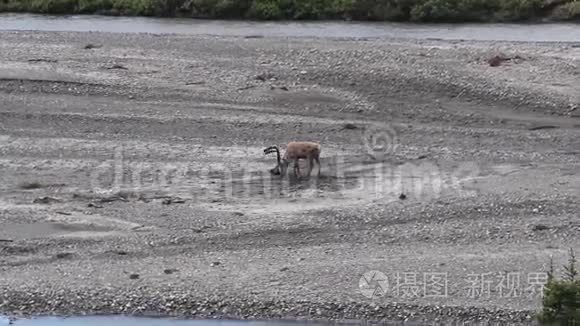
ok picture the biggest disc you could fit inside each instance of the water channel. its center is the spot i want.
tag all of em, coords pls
(554, 32)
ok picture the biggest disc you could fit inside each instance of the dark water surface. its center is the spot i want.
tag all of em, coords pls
(554, 32)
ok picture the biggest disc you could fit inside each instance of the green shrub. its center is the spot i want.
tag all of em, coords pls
(435, 10)
(561, 301)
(315, 9)
(478, 10)
(395, 10)
(230, 8)
(124, 6)
(307, 9)
(339, 8)
(13, 6)
(573, 9)
(201, 8)
(519, 9)
(567, 11)
(265, 9)
(143, 7)
(53, 6)
(92, 6)
(454, 10)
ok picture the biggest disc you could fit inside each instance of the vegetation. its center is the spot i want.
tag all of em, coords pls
(377, 10)
(569, 11)
(561, 302)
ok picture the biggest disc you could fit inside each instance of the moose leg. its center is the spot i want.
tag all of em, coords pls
(318, 162)
(296, 168)
(283, 168)
(310, 165)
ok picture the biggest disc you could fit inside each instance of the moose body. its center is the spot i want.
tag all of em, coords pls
(294, 152)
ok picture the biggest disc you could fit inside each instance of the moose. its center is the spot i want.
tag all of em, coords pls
(294, 152)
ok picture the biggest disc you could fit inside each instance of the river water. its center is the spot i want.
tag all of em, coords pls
(125, 321)
(554, 32)
(142, 321)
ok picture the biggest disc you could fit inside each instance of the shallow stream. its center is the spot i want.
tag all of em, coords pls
(553, 32)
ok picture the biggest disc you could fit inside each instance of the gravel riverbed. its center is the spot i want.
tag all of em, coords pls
(134, 181)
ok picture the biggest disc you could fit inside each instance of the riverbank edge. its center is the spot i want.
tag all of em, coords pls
(418, 12)
(106, 302)
(530, 21)
(112, 13)
(105, 14)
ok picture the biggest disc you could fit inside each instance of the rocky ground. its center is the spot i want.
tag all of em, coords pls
(133, 177)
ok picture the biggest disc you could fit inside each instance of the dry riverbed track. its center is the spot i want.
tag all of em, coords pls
(133, 177)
